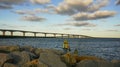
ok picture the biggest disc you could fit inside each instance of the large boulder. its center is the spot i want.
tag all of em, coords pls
(4, 58)
(38, 51)
(80, 58)
(51, 59)
(116, 63)
(10, 48)
(10, 65)
(34, 63)
(87, 63)
(55, 51)
(20, 58)
(69, 59)
(27, 48)
(94, 63)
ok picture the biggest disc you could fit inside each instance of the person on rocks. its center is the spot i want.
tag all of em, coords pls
(66, 46)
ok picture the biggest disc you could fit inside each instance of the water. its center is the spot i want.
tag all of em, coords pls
(101, 47)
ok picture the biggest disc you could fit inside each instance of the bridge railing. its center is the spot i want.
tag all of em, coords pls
(44, 33)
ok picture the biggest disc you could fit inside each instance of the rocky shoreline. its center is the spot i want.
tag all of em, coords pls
(27, 56)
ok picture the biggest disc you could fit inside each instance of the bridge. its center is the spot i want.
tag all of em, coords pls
(55, 35)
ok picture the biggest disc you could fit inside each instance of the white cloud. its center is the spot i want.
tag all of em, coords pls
(113, 30)
(40, 1)
(33, 18)
(22, 12)
(67, 28)
(117, 25)
(99, 4)
(78, 24)
(70, 7)
(86, 29)
(39, 10)
(19, 12)
(93, 16)
(50, 6)
(33, 12)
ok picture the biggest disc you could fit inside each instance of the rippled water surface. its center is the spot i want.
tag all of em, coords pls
(101, 47)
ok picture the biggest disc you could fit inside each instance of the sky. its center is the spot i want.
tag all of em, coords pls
(96, 18)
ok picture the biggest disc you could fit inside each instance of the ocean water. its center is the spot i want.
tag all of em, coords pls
(108, 48)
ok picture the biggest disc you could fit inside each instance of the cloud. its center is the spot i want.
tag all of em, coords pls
(86, 29)
(34, 11)
(50, 6)
(40, 1)
(118, 2)
(8, 4)
(117, 25)
(113, 30)
(11, 26)
(97, 5)
(33, 18)
(12, 1)
(78, 24)
(93, 16)
(45, 10)
(70, 7)
(4, 6)
(67, 28)
(22, 12)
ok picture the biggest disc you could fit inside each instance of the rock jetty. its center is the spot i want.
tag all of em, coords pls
(27, 56)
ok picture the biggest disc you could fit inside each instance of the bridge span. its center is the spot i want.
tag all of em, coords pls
(55, 35)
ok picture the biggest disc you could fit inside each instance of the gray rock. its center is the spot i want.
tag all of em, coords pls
(10, 65)
(4, 58)
(6, 48)
(104, 64)
(41, 64)
(20, 57)
(38, 51)
(116, 63)
(94, 63)
(51, 59)
(27, 48)
(58, 52)
(35, 63)
(87, 63)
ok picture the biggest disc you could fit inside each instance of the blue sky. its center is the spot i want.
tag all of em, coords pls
(95, 18)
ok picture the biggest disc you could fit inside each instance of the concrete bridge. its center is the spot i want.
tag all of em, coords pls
(55, 35)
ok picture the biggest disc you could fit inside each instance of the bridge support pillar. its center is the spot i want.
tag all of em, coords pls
(11, 33)
(62, 35)
(54, 35)
(68, 36)
(45, 34)
(3, 33)
(78, 36)
(73, 36)
(34, 34)
(23, 33)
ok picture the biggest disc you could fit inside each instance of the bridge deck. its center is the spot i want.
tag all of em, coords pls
(45, 34)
